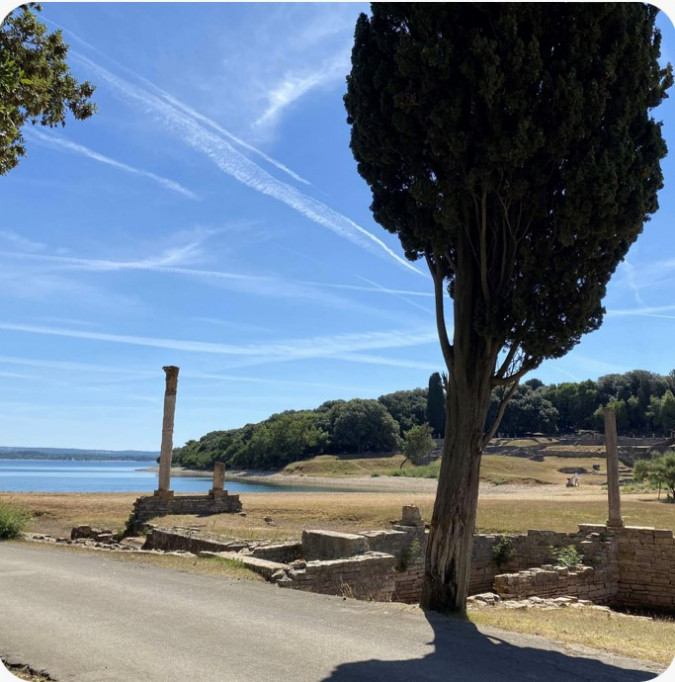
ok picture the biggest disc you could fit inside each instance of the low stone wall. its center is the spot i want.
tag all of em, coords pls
(536, 548)
(152, 506)
(365, 576)
(283, 553)
(625, 567)
(172, 541)
(408, 583)
(326, 544)
(646, 568)
(548, 582)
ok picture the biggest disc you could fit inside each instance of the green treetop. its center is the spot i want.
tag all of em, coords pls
(35, 82)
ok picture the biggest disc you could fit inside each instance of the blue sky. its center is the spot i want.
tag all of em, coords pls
(211, 216)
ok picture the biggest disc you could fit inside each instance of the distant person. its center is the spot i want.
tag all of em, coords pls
(575, 480)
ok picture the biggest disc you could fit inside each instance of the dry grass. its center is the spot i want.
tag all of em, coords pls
(215, 566)
(495, 468)
(519, 514)
(56, 513)
(506, 469)
(641, 638)
(332, 465)
(500, 509)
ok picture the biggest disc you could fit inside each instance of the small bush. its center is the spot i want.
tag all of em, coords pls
(502, 550)
(13, 521)
(568, 556)
(409, 555)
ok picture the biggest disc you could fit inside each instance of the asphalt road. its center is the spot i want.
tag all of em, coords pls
(90, 618)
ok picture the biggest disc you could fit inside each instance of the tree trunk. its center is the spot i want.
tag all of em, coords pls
(471, 365)
(449, 546)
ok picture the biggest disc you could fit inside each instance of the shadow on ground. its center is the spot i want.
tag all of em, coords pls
(465, 654)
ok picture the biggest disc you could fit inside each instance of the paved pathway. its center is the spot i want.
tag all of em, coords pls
(90, 618)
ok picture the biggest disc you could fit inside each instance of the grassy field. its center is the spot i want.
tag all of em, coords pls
(499, 510)
(497, 469)
(641, 638)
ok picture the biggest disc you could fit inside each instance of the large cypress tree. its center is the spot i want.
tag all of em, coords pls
(510, 146)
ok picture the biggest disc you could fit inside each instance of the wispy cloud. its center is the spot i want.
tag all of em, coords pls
(653, 311)
(268, 286)
(68, 366)
(62, 143)
(296, 349)
(19, 242)
(271, 287)
(184, 107)
(629, 270)
(370, 359)
(296, 84)
(233, 163)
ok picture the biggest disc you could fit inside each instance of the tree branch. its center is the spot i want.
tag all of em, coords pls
(516, 376)
(437, 276)
(487, 437)
(507, 361)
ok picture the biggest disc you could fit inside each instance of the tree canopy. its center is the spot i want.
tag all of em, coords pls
(35, 82)
(511, 146)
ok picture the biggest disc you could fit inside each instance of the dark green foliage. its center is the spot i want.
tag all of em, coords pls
(435, 410)
(338, 427)
(360, 426)
(502, 550)
(528, 411)
(408, 408)
(35, 82)
(519, 130)
(576, 403)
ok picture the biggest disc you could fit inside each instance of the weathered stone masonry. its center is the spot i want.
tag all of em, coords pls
(622, 567)
(152, 506)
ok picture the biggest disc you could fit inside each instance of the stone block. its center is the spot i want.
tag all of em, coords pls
(326, 545)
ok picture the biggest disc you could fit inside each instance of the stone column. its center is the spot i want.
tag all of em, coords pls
(613, 493)
(218, 480)
(167, 432)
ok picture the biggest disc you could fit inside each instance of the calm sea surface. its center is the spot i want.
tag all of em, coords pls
(57, 476)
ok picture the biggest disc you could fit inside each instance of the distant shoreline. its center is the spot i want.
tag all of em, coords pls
(337, 483)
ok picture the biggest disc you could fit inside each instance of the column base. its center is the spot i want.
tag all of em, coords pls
(163, 494)
(217, 493)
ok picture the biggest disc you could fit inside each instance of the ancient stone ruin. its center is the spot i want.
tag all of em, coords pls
(163, 502)
(621, 566)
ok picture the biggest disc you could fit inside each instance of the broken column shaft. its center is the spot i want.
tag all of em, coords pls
(167, 430)
(613, 492)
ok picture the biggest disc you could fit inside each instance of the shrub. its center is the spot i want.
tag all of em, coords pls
(13, 521)
(417, 444)
(502, 550)
(568, 556)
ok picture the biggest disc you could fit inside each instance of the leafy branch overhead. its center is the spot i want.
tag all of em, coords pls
(35, 82)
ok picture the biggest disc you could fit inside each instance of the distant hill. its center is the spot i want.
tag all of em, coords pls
(8, 452)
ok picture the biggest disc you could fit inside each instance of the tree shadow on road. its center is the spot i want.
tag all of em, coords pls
(465, 654)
